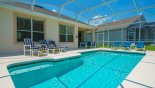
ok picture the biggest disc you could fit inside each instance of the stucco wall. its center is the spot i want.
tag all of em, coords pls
(51, 30)
(7, 35)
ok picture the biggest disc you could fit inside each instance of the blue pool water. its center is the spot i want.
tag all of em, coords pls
(100, 69)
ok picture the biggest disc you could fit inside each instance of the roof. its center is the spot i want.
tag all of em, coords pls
(151, 24)
(41, 9)
(125, 23)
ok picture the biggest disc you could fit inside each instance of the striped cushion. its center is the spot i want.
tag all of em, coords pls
(52, 44)
(28, 41)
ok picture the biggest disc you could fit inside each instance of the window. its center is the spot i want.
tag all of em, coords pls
(131, 36)
(24, 29)
(88, 36)
(38, 32)
(66, 33)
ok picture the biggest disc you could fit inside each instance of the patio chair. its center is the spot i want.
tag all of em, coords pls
(48, 45)
(43, 43)
(88, 44)
(93, 44)
(30, 47)
(52, 45)
(82, 44)
(116, 44)
(140, 45)
(127, 45)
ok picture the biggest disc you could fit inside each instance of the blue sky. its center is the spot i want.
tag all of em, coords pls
(118, 6)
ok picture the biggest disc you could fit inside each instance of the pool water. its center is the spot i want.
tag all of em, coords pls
(100, 69)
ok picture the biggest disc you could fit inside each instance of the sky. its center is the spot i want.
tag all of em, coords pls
(73, 8)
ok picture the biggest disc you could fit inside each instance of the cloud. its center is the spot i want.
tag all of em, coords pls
(105, 15)
(98, 20)
(54, 10)
(98, 16)
(140, 13)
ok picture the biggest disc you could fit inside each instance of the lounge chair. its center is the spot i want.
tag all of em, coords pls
(140, 45)
(49, 45)
(53, 45)
(30, 47)
(43, 43)
(127, 45)
(116, 44)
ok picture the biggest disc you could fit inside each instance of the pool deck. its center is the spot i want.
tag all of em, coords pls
(142, 76)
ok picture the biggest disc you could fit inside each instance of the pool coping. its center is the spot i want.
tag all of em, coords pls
(5, 78)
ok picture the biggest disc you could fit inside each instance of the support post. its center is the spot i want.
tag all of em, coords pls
(108, 37)
(122, 36)
(93, 35)
(97, 39)
(103, 38)
(31, 28)
(32, 8)
(140, 32)
(139, 19)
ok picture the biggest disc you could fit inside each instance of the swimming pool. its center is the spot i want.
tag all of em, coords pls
(99, 69)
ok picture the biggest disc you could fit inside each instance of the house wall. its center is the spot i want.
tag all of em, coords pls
(145, 34)
(8, 40)
(52, 33)
(114, 35)
(148, 35)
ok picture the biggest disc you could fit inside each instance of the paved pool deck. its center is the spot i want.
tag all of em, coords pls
(142, 76)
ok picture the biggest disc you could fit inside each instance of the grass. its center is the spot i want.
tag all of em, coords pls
(150, 47)
(101, 46)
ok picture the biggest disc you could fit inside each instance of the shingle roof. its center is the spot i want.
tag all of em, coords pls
(41, 10)
(119, 24)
